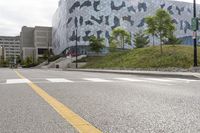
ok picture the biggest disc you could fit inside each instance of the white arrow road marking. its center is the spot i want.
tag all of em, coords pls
(129, 79)
(17, 81)
(97, 80)
(58, 80)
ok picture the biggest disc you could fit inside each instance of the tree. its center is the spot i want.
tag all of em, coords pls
(163, 26)
(141, 40)
(151, 23)
(4, 63)
(96, 44)
(172, 39)
(45, 54)
(121, 37)
(112, 44)
(27, 62)
(18, 59)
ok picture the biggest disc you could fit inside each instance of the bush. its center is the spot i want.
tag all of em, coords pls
(96, 44)
(141, 40)
(28, 62)
(4, 63)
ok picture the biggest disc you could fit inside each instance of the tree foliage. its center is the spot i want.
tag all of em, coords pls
(96, 44)
(141, 40)
(120, 37)
(28, 62)
(45, 55)
(151, 24)
(4, 63)
(172, 40)
(161, 24)
(18, 59)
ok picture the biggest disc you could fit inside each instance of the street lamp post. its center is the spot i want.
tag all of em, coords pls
(48, 54)
(76, 48)
(195, 36)
(76, 25)
(48, 49)
(1, 54)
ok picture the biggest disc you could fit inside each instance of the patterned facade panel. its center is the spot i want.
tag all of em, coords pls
(99, 17)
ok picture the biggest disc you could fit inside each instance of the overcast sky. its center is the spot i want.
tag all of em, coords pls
(16, 13)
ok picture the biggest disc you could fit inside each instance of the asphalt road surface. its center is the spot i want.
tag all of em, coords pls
(48, 101)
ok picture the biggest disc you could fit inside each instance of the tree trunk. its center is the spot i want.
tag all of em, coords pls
(123, 42)
(161, 49)
(153, 40)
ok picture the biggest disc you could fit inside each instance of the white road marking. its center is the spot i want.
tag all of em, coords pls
(185, 80)
(129, 79)
(58, 80)
(97, 80)
(143, 80)
(159, 80)
(17, 81)
(63, 80)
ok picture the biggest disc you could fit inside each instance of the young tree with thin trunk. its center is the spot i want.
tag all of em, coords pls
(141, 40)
(96, 44)
(121, 37)
(151, 23)
(163, 26)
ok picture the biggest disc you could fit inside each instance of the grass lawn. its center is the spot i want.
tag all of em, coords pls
(173, 56)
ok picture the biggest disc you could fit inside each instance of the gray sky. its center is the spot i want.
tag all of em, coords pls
(17, 13)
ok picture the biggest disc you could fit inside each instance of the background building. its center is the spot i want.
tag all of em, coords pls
(9, 48)
(35, 41)
(100, 17)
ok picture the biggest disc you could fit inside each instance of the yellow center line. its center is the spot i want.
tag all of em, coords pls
(75, 120)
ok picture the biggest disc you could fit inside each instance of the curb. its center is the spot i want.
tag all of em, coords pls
(144, 73)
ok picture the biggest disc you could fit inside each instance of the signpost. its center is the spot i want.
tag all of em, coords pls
(195, 24)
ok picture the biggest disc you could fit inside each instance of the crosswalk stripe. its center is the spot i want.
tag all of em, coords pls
(63, 80)
(159, 80)
(58, 80)
(184, 80)
(187, 80)
(97, 80)
(17, 81)
(129, 79)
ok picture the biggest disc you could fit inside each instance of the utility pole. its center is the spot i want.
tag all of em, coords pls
(195, 28)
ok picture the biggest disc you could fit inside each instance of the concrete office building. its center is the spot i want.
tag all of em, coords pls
(9, 48)
(100, 17)
(35, 41)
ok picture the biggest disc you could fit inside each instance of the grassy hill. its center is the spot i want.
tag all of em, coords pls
(150, 57)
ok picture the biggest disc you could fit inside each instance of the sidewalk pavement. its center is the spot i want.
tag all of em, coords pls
(190, 75)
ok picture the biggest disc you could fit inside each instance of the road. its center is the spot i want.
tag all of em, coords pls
(48, 101)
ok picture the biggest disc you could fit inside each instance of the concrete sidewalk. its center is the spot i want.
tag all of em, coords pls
(144, 73)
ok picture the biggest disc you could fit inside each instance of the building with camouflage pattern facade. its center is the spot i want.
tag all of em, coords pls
(100, 17)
